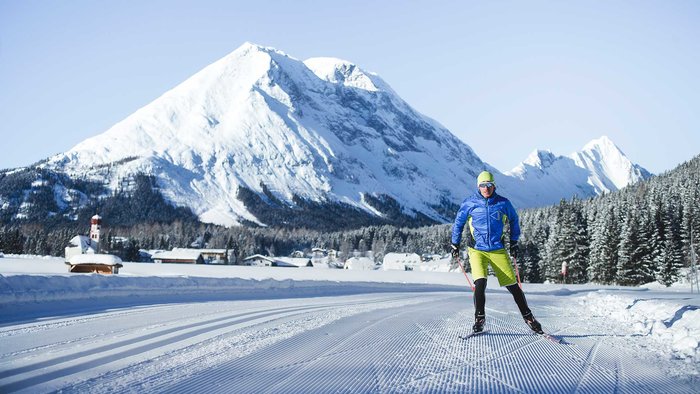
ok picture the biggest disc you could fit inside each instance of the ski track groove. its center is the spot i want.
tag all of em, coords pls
(572, 365)
(131, 337)
(299, 354)
(383, 300)
(82, 360)
(123, 343)
(60, 327)
(354, 340)
(399, 343)
(451, 370)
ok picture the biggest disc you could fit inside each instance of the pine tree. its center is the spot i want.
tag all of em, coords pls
(561, 245)
(644, 233)
(670, 260)
(602, 266)
(627, 268)
(529, 262)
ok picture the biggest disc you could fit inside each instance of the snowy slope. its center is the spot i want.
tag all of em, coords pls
(600, 167)
(324, 130)
(321, 130)
(180, 328)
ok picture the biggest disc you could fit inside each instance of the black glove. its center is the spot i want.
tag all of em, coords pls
(514, 249)
(455, 251)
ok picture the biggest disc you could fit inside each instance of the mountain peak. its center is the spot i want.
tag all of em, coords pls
(260, 122)
(611, 169)
(600, 167)
(540, 158)
(248, 47)
(603, 145)
(346, 73)
(258, 127)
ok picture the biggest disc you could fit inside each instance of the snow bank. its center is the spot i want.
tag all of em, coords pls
(30, 279)
(669, 324)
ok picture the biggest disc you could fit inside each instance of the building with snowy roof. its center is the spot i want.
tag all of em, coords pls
(179, 256)
(292, 262)
(400, 261)
(258, 260)
(360, 263)
(80, 244)
(94, 263)
(215, 256)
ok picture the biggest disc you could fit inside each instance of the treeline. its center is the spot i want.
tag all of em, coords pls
(637, 235)
(242, 241)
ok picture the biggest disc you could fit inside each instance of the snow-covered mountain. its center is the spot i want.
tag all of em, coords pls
(600, 167)
(322, 131)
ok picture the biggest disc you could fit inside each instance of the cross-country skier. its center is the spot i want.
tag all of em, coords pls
(487, 213)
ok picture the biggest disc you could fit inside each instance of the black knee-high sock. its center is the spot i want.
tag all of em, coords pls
(519, 298)
(480, 297)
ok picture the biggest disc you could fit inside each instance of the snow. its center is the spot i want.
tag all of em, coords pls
(400, 261)
(600, 167)
(670, 326)
(321, 129)
(202, 328)
(94, 258)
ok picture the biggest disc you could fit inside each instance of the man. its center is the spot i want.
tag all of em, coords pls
(487, 213)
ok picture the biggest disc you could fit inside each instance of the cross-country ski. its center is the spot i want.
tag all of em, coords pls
(472, 334)
(551, 338)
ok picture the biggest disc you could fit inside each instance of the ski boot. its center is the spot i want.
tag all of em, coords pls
(479, 322)
(533, 323)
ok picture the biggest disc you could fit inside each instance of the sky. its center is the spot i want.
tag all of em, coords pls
(506, 77)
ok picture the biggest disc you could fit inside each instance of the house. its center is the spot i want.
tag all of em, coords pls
(292, 262)
(258, 260)
(80, 244)
(325, 258)
(360, 263)
(319, 252)
(401, 261)
(94, 263)
(215, 256)
(431, 256)
(444, 264)
(179, 256)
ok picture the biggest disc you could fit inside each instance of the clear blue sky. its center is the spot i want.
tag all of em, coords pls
(506, 77)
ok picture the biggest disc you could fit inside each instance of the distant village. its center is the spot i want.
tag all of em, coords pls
(83, 255)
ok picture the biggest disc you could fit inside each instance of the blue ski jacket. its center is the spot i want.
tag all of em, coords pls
(487, 217)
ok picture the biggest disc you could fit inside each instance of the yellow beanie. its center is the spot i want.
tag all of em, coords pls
(485, 176)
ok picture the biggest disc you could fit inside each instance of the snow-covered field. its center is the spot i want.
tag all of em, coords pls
(182, 328)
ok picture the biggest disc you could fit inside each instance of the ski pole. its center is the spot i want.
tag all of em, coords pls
(465, 275)
(517, 274)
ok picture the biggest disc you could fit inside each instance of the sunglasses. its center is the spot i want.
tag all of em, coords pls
(486, 185)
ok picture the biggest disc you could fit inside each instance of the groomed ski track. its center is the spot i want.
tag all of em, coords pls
(369, 343)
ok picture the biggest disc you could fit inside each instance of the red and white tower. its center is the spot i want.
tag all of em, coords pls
(95, 226)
